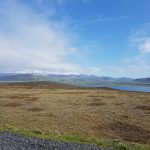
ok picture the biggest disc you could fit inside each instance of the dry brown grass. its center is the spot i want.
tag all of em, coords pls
(130, 132)
(144, 107)
(68, 110)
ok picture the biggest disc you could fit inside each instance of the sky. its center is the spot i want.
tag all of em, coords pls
(94, 37)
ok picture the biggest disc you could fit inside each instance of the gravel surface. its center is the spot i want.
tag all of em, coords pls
(11, 141)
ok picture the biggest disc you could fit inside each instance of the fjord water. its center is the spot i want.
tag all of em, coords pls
(117, 86)
(123, 87)
(131, 88)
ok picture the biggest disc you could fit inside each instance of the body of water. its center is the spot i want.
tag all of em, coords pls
(131, 88)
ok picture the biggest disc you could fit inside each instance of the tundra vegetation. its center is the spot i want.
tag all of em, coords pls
(105, 117)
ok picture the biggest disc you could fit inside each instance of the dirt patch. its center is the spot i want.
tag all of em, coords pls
(93, 96)
(130, 132)
(31, 99)
(96, 104)
(35, 109)
(125, 116)
(97, 99)
(102, 96)
(119, 104)
(12, 105)
(110, 97)
(18, 96)
(50, 115)
(144, 107)
(74, 104)
(25, 97)
(73, 93)
(144, 98)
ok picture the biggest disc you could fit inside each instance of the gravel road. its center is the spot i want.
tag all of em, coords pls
(11, 141)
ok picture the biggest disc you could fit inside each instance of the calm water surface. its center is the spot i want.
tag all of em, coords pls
(131, 88)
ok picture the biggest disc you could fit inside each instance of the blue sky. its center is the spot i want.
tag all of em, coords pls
(101, 37)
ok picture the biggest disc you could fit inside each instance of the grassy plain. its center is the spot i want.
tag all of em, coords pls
(60, 111)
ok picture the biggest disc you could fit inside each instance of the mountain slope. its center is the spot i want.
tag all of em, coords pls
(142, 80)
(81, 79)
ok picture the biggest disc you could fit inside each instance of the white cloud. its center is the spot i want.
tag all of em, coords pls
(135, 69)
(141, 43)
(33, 43)
(145, 46)
(98, 19)
(140, 39)
(138, 63)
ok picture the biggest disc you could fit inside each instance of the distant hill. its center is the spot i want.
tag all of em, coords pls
(82, 79)
(22, 77)
(71, 79)
(142, 80)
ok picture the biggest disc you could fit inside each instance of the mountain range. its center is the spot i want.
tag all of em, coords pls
(82, 79)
